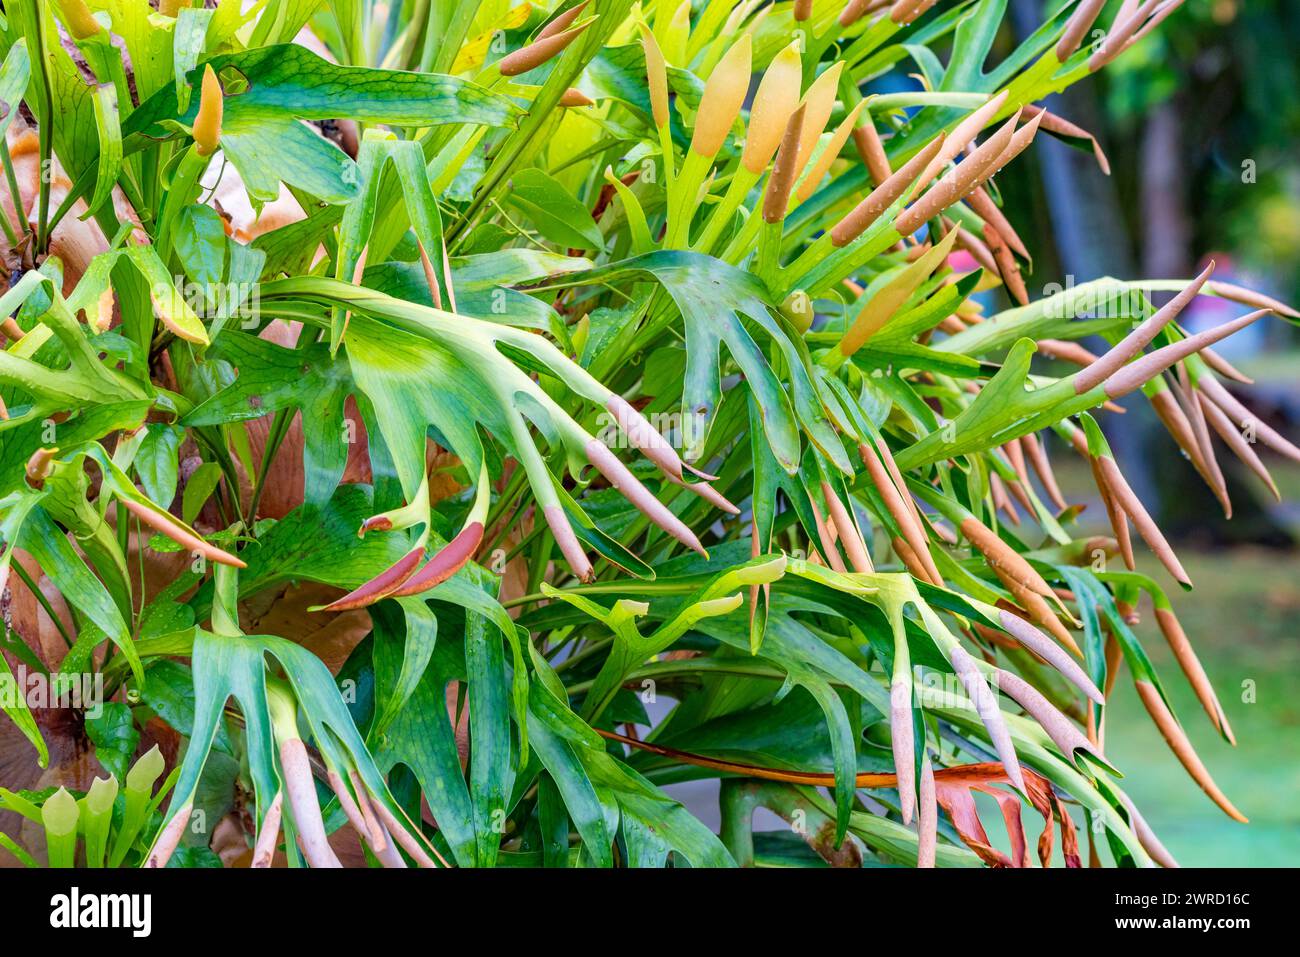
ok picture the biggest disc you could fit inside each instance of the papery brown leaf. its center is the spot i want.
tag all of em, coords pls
(950, 784)
(955, 789)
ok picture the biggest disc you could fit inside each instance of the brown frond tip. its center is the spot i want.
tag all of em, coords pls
(1037, 642)
(896, 503)
(872, 151)
(855, 10)
(777, 199)
(927, 827)
(1147, 837)
(573, 97)
(644, 436)
(961, 179)
(1177, 740)
(300, 789)
(979, 251)
(169, 838)
(856, 222)
(562, 21)
(364, 805)
(1248, 297)
(404, 838)
(987, 210)
(1139, 338)
(1085, 14)
(1059, 728)
(621, 478)
(1066, 351)
(567, 542)
(1037, 456)
(990, 714)
(1233, 438)
(1243, 418)
(39, 467)
(1132, 506)
(854, 547)
(1028, 588)
(264, 846)
(448, 560)
(381, 585)
(1119, 34)
(1136, 374)
(1175, 421)
(1118, 519)
(1179, 644)
(1005, 561)
(906, 11)
(164, 524)
(825, 539)
(902, 741)
(1008, 268)
(361, 815)
(539, 51)
(1213, 475)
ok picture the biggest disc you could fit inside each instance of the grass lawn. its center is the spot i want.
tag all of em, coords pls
(1241, 618)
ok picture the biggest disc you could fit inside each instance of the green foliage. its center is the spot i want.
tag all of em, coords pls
(109, 825)
(534, 423)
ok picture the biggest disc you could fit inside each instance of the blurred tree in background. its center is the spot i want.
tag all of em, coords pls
(1201, 125)
(1208, 112)
(1201, 120)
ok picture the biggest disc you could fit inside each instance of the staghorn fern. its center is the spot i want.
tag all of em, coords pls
(391, 423)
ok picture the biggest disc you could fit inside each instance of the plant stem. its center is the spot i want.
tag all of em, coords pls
(279, 429)
(44, 602)
(45, 127)
(15, 193)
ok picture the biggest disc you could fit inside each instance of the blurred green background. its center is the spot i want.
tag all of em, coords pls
(1201, 123)
(1241, 619)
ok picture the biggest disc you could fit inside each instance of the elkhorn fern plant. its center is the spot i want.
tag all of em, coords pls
(435, 436)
